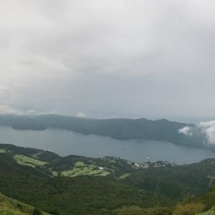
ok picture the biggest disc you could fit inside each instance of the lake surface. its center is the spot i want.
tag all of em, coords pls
(65, 143)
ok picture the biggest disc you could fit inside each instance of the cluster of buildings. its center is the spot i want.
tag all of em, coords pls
(153, 164)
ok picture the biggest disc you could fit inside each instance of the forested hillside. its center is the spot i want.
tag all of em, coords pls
(81, 185)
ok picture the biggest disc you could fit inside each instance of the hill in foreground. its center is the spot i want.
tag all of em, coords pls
(9, 206)
(81, 185)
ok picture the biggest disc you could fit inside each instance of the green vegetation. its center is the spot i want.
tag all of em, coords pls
(191, 206)
(69, 195)
(24, 160)
(9, 206)
(124, 175)
(67, 185)
(80, 169)
(71, 166)
(2, 151)
(54, 173)
(209, 212)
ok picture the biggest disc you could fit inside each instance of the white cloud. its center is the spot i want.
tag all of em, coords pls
(81, 115)
(203, 129)
(208, 129)
(187, 130)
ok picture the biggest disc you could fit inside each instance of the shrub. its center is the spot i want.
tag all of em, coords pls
(36, 211)
(189, 208)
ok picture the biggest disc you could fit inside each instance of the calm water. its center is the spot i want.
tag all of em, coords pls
(65, 143)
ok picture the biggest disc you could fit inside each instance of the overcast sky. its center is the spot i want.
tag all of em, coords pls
(102, 59)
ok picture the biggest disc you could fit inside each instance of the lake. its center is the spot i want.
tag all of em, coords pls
(65, 142)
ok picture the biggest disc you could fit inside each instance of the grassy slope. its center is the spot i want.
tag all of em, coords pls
(9, 206)
(24, 160)
(81, 169)
(70, 166)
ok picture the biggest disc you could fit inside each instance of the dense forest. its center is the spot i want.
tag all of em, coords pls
(81, 185)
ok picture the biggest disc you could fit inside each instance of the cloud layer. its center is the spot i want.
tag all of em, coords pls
(108, 59)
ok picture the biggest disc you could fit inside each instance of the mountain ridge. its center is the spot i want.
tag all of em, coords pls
(122, 129)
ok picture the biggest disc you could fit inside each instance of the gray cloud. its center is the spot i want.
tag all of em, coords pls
(108, 58)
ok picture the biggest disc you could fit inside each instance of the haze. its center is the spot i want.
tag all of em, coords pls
(103, 59)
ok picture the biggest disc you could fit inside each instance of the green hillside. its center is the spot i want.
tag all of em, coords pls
(9, 206)
(82, 185)
(67, 195)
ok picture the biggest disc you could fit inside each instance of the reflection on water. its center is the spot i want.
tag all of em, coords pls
(65, 143)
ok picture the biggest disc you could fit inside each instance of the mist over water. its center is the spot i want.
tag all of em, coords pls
(66, 143)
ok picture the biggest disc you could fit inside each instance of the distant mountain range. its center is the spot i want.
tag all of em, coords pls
(123, 129)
